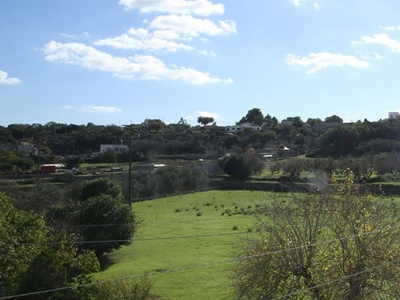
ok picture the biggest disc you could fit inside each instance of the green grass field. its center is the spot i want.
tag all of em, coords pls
(184, 231)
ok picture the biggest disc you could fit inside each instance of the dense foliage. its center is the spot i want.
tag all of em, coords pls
(334, 245)
(331, 137)
(31, 250)
(55, 244)
(241, 166)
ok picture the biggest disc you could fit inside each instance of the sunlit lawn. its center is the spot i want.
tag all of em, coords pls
(184, 231)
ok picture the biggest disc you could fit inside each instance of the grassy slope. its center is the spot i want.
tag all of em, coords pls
(161, 221)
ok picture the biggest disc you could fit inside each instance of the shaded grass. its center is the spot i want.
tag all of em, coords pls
(158, 248)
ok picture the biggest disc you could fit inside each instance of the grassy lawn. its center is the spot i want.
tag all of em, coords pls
(184, 231)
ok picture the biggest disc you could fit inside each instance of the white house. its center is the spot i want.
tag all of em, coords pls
(118, 148)
(26, 148)
(393, 114)
(241, 127)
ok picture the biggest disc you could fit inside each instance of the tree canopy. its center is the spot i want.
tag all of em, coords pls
(333, 245)
(253, 116)
(205, 120)
(99, 186)
(333, 119)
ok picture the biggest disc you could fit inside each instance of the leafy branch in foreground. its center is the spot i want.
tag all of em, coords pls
(341, 244)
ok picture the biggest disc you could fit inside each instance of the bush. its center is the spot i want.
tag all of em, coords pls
(123, 289)
(241, 166)
(344, 238)
(101, 186)
(112, 221)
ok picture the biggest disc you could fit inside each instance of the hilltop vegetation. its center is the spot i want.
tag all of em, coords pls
(330, 137)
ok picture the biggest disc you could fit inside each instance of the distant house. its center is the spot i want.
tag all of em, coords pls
(241, 127)
(394, 115)
(26, 147)
(117, 148)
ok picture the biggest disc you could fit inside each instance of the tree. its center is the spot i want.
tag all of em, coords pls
(270, 122)
(96, 187)
(123, 289)
(253, 116)
(333, 119)
(68, 267)
(313, 121)
(205, 120)
(109, 157)
(241, 166)
(19, 230)
(112, 221)
(295, 121)
(34, 257)
(154, 124)
(169, 180)
(14, 160)
(339, 141)
(342, 245)
(42, 198)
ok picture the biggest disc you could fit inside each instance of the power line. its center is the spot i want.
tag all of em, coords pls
(139, 223)
(191, 236)
(217, 263)
(63, 243)
(335, 280)
(120, 241)
(194, 267)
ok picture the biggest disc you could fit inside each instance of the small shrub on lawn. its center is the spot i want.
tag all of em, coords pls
(235, 227)
(199, 214)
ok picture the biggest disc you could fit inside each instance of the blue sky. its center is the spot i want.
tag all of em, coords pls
(122, 61)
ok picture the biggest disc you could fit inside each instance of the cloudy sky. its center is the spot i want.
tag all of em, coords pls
(122, 61)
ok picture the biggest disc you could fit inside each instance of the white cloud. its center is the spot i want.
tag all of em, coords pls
(75, 36)
(142, 39)
(325, 59)
(295, 2)
(317, 6)
(99, 109)
(202, 113)
(189, 117)
(208, 53)
(192, 27)
(304, 3)
(144, 67)
(197, 7)
(4, 79)
(166, 30)
(67, 107)
(382, 39)
(390, 28)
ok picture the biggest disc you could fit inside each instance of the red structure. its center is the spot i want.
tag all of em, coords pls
(47, 168)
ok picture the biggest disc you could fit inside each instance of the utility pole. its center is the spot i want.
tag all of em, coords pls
(130, 170)
(38, 162)
(130, 165)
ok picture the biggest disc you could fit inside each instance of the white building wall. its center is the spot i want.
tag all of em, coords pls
(116, 148)
(241, 127)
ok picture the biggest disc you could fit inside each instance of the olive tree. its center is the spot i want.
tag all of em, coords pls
(241, 166)
(106, 219)
(332, 245)
(96, 187)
